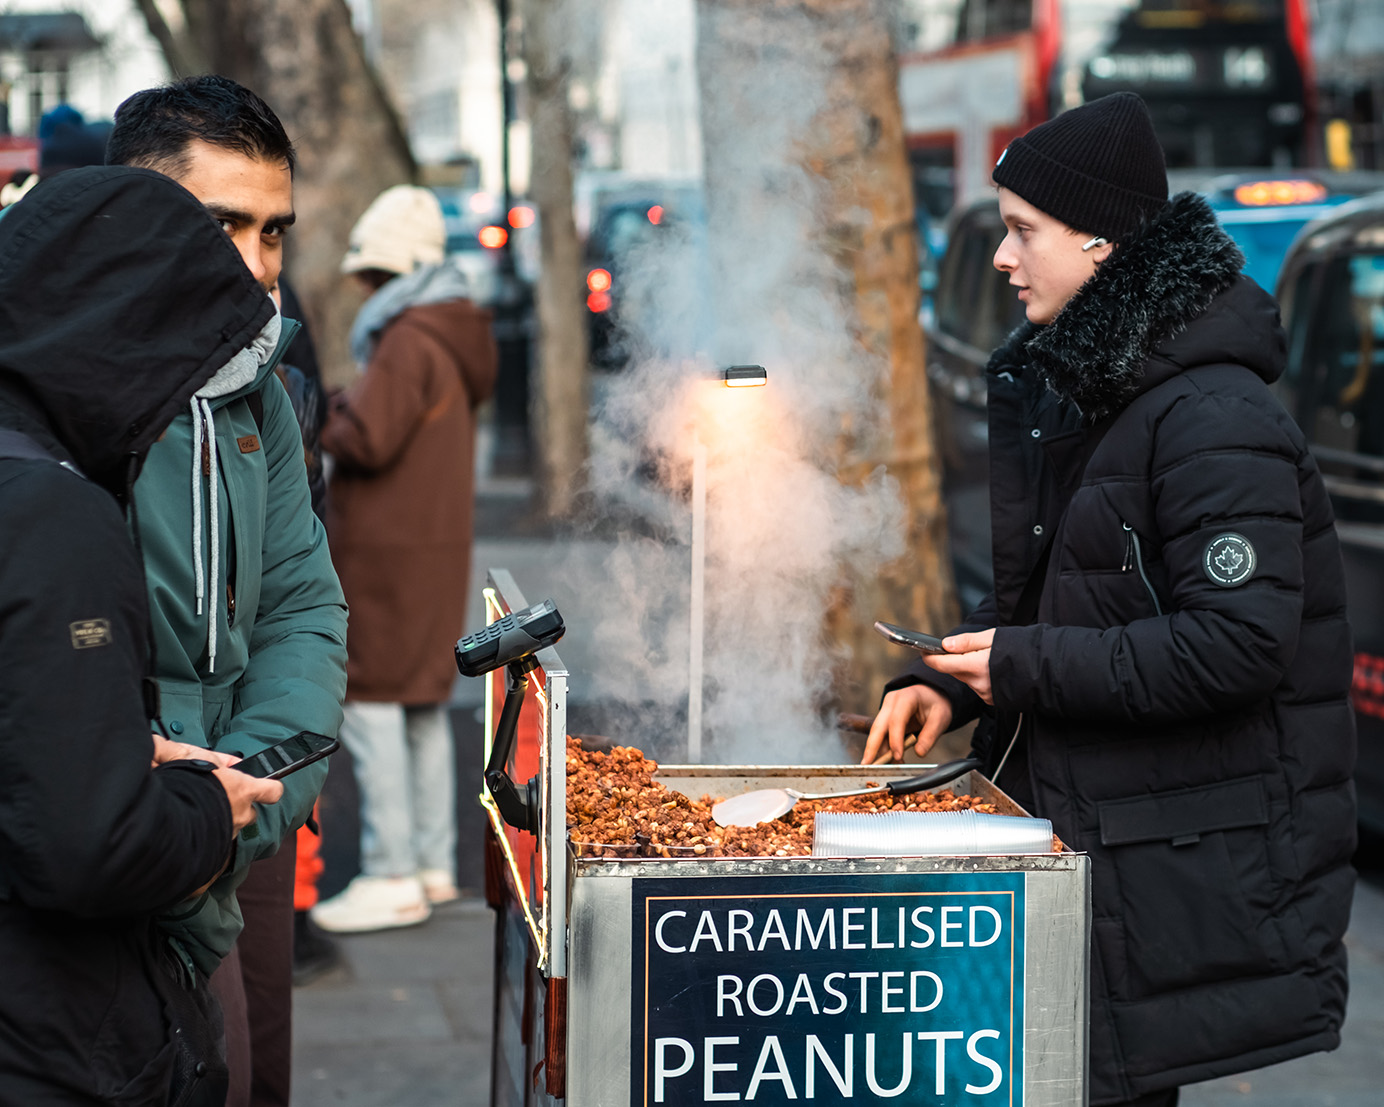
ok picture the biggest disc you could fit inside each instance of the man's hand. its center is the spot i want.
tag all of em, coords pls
(968, 659)
(244, 791)
(166, 750)
(904, 710)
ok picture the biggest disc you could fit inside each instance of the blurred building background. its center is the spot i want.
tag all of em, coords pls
(634, 100)
(1348, 47)
(87, 53)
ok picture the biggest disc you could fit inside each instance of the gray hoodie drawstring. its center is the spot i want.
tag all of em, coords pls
(239, 372)
(204, 431)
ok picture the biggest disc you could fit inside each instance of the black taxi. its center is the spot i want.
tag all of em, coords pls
(1331, 291)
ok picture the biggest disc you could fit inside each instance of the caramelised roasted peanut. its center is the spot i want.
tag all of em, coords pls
(616, 809)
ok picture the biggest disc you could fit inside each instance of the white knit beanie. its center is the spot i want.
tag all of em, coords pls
(401, 230)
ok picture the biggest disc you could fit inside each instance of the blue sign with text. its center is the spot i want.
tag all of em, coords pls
(774, 989)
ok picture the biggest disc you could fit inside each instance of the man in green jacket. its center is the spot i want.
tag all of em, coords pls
(250, 624)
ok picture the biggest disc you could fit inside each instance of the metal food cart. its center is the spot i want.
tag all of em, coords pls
(633, 982)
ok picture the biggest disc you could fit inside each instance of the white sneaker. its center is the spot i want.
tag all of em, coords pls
(373, 903)
(439, 886)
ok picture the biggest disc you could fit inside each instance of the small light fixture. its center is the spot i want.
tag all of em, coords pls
(745, 376)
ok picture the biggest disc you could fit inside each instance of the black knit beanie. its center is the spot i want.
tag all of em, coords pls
(1097, 168)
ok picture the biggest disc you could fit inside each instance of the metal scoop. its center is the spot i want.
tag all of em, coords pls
(760, 806)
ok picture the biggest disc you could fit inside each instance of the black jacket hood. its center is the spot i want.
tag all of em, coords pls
(1170, 298)
(119, 298)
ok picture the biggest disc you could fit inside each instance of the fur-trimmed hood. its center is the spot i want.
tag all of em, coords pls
(1167, 299)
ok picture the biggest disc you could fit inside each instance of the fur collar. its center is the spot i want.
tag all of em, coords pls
(1149, 289)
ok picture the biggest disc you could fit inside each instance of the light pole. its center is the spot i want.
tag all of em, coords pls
(737, 376)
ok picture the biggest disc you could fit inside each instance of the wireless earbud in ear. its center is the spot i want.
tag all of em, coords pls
(1097, 241)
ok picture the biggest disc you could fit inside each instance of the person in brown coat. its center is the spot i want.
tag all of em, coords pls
(399, 516)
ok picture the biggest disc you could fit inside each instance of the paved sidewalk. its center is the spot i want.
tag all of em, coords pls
(405, 1022)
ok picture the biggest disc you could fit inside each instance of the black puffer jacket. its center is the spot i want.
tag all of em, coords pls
(1183, 682)
(119, 297)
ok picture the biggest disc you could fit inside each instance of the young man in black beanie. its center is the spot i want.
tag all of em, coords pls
(1163, 667)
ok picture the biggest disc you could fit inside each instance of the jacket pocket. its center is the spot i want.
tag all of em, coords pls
(1194, 884)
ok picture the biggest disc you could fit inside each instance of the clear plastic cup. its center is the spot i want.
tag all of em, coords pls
(922, 833)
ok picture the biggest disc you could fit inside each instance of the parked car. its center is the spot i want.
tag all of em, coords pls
(1263, 211)
(1331, 291)
(634, 240)
(478, 230)
(971, 311)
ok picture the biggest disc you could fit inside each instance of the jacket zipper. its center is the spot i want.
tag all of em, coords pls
(1134, 559)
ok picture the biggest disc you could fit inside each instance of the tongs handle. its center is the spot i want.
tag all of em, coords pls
(943, 774)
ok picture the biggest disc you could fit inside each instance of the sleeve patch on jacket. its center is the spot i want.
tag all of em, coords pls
(1229, 560)
(87, 633)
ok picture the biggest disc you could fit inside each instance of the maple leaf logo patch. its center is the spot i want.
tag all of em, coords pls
(1229, 560)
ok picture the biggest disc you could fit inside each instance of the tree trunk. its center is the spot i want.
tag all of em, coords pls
(305, 59)
(833, 61)
(560, 400)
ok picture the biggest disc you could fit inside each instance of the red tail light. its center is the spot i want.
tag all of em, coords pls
(492, 237)
(598, 280)
(598, 301)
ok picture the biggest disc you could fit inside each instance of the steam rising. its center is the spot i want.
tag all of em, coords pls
(756, 286)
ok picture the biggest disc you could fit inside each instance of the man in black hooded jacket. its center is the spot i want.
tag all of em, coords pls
(119, 298)
(1164, 664)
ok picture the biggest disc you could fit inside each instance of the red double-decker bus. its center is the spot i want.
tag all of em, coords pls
(1228, 82)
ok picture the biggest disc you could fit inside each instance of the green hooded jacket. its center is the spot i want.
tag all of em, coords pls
(279, 664)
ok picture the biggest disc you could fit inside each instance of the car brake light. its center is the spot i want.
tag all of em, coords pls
(1260, 194)
(598, 280)
(598, 301)
(492, 237)
(521, 216)
(656, 214)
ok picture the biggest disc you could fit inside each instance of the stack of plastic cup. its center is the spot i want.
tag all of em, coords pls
(923, 833)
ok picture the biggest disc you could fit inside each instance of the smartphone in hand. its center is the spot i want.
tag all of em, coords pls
(913, 639)
(288, 756)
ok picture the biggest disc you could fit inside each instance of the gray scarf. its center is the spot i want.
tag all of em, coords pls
(433, 284)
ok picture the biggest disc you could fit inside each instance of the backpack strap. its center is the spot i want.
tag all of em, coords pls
(18, 445)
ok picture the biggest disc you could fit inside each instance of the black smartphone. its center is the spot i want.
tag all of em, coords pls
(913, 639)
(515, 636)
(288, 756)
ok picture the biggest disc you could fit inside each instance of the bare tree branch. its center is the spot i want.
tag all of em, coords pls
(179, 50)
